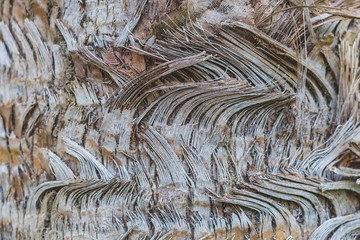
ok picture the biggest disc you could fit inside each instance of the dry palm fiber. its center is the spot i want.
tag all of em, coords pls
(179, 119)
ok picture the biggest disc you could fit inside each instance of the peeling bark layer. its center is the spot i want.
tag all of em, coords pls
(164, 119)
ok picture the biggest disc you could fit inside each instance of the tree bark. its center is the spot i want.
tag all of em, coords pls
(162, 119)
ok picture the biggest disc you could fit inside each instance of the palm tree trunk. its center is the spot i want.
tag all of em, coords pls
(161, 119)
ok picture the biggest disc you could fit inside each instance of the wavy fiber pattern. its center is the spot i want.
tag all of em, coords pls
(179, 119)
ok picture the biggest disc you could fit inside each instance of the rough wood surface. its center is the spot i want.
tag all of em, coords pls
(165, 119)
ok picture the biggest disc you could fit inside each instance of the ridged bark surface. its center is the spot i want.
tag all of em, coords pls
(164, 119)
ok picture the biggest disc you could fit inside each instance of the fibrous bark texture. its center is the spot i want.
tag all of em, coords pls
(194, 119)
